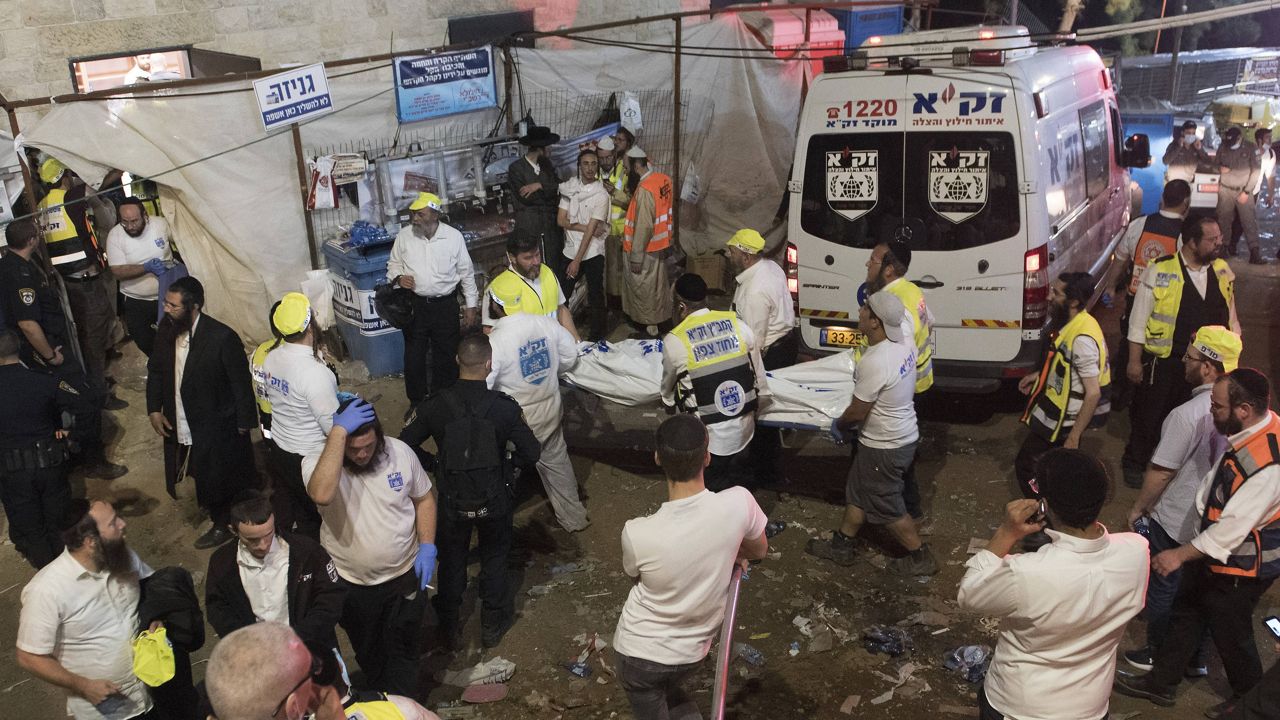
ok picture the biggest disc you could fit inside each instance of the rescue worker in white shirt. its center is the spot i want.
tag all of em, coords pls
(138, 252)
(711, 367)
(1057, 646)
(886, 270)
(584, 216)
(302, 392)
(1185, 154)
(1147, 238)
(379, 510)
(542, 295)
(1072, 391)
(271, 576)
(80, 614)
(764, 304)
(530, 351)
(266, 671)
(1234, 558)
(1179, 294)
(431, 259)
(1240, 168)
(1189, 447)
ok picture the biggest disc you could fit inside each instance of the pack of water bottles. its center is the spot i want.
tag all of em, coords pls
(365, 234)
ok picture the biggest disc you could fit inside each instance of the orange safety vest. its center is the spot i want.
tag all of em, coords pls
(660, 186)
(1159, 238)
(1258, 556)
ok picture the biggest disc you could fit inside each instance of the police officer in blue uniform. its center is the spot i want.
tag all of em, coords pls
(33, 468)
(32, 311)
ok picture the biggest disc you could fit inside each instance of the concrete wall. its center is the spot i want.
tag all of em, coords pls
(38, 36)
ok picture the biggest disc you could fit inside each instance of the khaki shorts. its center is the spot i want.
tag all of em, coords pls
(874, 484)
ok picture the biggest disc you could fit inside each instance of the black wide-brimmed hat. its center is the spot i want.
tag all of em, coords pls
(539, 136)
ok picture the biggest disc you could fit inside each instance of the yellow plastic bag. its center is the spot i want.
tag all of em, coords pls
(153, 657)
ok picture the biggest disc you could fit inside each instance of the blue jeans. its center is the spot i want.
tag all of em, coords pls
(1160, 594)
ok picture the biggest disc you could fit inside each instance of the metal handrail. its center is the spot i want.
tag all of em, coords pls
(721, 687)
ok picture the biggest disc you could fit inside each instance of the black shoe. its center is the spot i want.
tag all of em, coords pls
(104, 470)
(839, 549)
(114, 403)
(491, 636)
(1140, 688)
(1255, 257)
(1194, 671)
(914, 564)
(1219, 710)
(1140, 658)
(216, 536)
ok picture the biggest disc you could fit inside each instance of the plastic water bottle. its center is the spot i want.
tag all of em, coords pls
(1107, 300)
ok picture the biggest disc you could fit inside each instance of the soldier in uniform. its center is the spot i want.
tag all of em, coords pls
(33, 468)
(33, 313)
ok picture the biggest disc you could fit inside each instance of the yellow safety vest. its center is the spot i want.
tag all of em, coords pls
(545, 303)
(374, 710)
(1167, 291)
(617, 213)
(261, 379)
(66, 247)
(718, 366)
(913, 300)
(1046, 411)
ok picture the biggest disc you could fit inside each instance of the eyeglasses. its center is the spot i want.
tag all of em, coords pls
(317, 666)
(1187, 356)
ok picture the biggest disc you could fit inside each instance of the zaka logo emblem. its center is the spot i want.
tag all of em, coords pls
(958, 182)
(853, 181)
(970, 103)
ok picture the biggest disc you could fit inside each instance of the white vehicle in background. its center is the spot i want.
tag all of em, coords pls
(1000, 163)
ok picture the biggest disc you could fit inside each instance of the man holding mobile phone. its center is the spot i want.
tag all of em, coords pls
(1057, 645)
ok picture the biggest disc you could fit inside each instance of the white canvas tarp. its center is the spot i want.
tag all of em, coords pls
(236, 208)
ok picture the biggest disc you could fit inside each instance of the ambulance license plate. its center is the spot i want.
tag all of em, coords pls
(839, 337)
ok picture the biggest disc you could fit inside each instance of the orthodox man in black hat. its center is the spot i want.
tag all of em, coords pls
(533, 183)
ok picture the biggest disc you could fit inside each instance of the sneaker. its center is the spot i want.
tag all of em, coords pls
(216, 536)
(1140, 658)
(1219, 710)
(916, 563)
(104, 470)
(1139, 688)
(491, 636)
(839, 549)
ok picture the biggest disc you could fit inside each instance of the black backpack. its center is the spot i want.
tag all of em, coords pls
(471, 469)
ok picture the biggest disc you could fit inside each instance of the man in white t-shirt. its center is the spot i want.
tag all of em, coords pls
(303, 394)
(138, 252)
(1189, 446)
(883, 403)
(530, 351)
(379, 526)
(584, 213)
(682, 559)
(79, 616)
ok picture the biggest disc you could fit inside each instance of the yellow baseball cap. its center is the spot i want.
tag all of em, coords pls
(506, 290)
(426, 200)
(1218, 343)
(153, 661)
(51, 171)
(747, 240)
(294, 314)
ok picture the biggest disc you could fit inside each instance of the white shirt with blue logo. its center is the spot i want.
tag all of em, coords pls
(529, 354)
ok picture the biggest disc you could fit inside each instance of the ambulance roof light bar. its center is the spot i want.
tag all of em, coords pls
(932, 42)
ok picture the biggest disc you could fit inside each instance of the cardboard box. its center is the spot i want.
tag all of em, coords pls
(714, 269)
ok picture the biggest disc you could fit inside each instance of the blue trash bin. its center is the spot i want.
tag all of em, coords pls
(354, 273)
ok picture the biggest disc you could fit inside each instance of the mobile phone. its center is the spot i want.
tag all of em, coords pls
(1039, 515)
(1273, 624)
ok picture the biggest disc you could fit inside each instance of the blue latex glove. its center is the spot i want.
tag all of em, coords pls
(155, 266)
(424, 564)
(837, 434)
(356, 414)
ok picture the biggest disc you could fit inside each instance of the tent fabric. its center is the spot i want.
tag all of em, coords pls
(237, 214)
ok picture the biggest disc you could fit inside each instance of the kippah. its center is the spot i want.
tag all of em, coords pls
(691, 287)
(1253, 382)
(76, 510)
(1072, 482)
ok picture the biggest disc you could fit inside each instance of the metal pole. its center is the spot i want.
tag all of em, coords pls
(28, 184)
(1013, 13)
(721, 687)
(302, 184)
(675, 138)
(1174, 69)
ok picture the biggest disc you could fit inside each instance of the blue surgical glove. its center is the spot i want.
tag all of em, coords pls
(837, 434)
(424, 564)
(155, 266)
(355, 416)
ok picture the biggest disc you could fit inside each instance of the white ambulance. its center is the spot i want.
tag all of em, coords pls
(1000, 163)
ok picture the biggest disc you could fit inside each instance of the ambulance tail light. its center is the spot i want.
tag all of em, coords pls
(1035, 288)
(792, 266)
(987, 58)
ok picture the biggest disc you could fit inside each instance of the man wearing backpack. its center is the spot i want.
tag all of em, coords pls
(481, 438)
